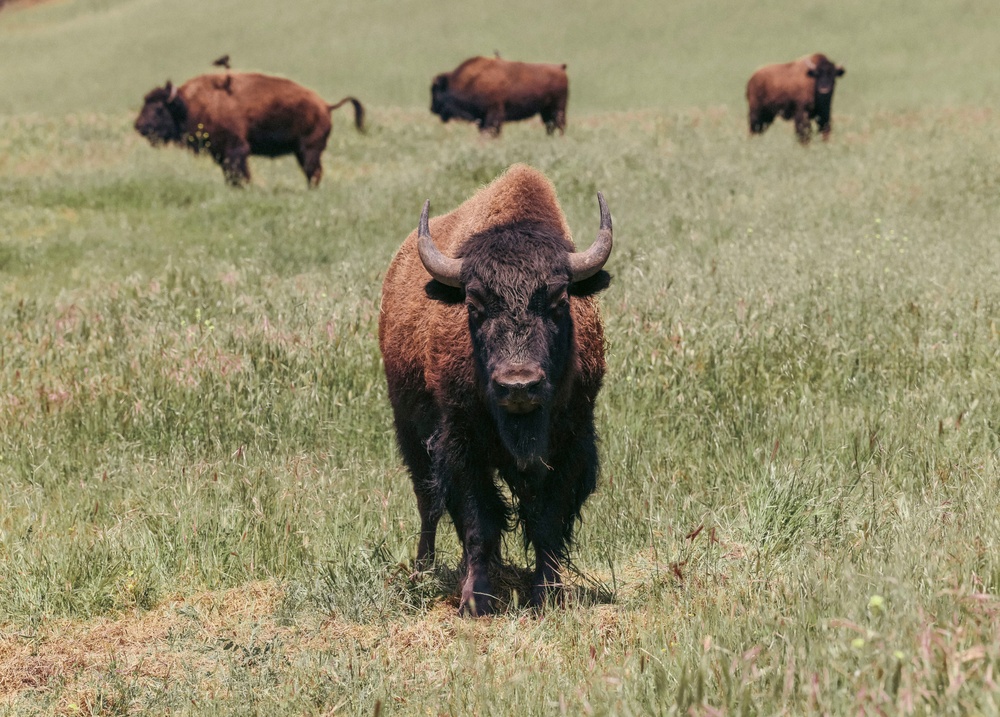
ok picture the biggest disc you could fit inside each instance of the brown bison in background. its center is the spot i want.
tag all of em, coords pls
(490, 91)
(494, 353)
(802, 90)
(232, 115)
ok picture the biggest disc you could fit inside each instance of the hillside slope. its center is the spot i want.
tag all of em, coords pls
(103, 55)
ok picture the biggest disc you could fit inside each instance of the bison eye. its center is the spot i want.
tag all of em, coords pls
(558, 303)
(474, 305)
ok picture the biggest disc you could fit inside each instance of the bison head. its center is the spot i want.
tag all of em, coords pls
(163, 116)
(825, 73)
(439, 90)
(517, 281)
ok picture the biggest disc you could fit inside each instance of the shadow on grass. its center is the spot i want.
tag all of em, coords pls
(512, 588)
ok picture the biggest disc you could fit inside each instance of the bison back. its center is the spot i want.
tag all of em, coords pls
(272, 113)
(781, 87)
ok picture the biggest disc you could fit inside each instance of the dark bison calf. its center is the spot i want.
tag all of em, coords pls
(490, 91)
(236, 114)
(800, 90)
(494, 353)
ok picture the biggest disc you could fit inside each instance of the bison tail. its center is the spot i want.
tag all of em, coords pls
(359, 111)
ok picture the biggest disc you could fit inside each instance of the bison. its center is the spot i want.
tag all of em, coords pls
(493, 349)
(236, 114)
(802, 90)
(490, 91)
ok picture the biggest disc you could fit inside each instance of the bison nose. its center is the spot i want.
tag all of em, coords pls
(517, 387)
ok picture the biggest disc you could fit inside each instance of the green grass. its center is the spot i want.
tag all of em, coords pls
(202, 510)
(104, 55)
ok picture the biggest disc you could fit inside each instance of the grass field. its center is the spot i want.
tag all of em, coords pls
(202, 511)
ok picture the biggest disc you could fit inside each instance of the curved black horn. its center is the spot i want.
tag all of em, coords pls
(442, 268)
(584, 264)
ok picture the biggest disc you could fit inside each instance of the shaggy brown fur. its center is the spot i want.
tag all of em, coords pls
(801, 90)
(491, 91)
(235, 114)
(437, 351)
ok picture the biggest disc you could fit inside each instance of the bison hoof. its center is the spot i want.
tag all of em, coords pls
(476, 606)
(542, 595)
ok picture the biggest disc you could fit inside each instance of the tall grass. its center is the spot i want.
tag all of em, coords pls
(798, 497)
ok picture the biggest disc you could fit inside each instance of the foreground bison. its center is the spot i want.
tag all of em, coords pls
(494, 353)
(802, 90)
(490, 91)
(235, 114)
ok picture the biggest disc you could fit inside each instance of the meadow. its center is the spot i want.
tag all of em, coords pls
(202, 510)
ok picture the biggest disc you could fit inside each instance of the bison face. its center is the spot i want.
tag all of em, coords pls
(517, 280)
(825, 73)
(519, 324)
(163, 116)
(439, 92)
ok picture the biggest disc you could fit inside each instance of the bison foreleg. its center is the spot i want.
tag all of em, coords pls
(550, 514)
(430, 514)
(480, 515)
(430, 502)
(483, 517)
(233, 160)
(803, 126)
(824, 126)
(492, 122)
(759, 121)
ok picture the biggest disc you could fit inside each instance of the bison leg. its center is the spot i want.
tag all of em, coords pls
(430, 503)
(555, 118)
(492, 122)
(234, 163)
(311, 164)
(554, 121)
(824, 127)
(550, 512)
(803, 126)
(479, 514)
(759, 121)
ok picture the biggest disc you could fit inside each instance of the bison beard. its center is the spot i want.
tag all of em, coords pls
(494, 366)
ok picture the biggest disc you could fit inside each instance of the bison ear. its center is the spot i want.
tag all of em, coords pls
(591, 285)
(840, 70)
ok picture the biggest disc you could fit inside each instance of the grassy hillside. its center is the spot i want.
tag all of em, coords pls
(103, 55)
(202, 511)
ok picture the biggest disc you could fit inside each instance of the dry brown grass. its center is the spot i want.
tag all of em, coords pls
(138, 643)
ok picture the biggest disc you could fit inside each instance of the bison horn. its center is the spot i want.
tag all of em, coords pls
(171, 92)
(584, 264)
(442, 268)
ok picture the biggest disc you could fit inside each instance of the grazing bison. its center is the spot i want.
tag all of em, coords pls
(236, 114)
(490, 91)
(802, 90)
(494, 365)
